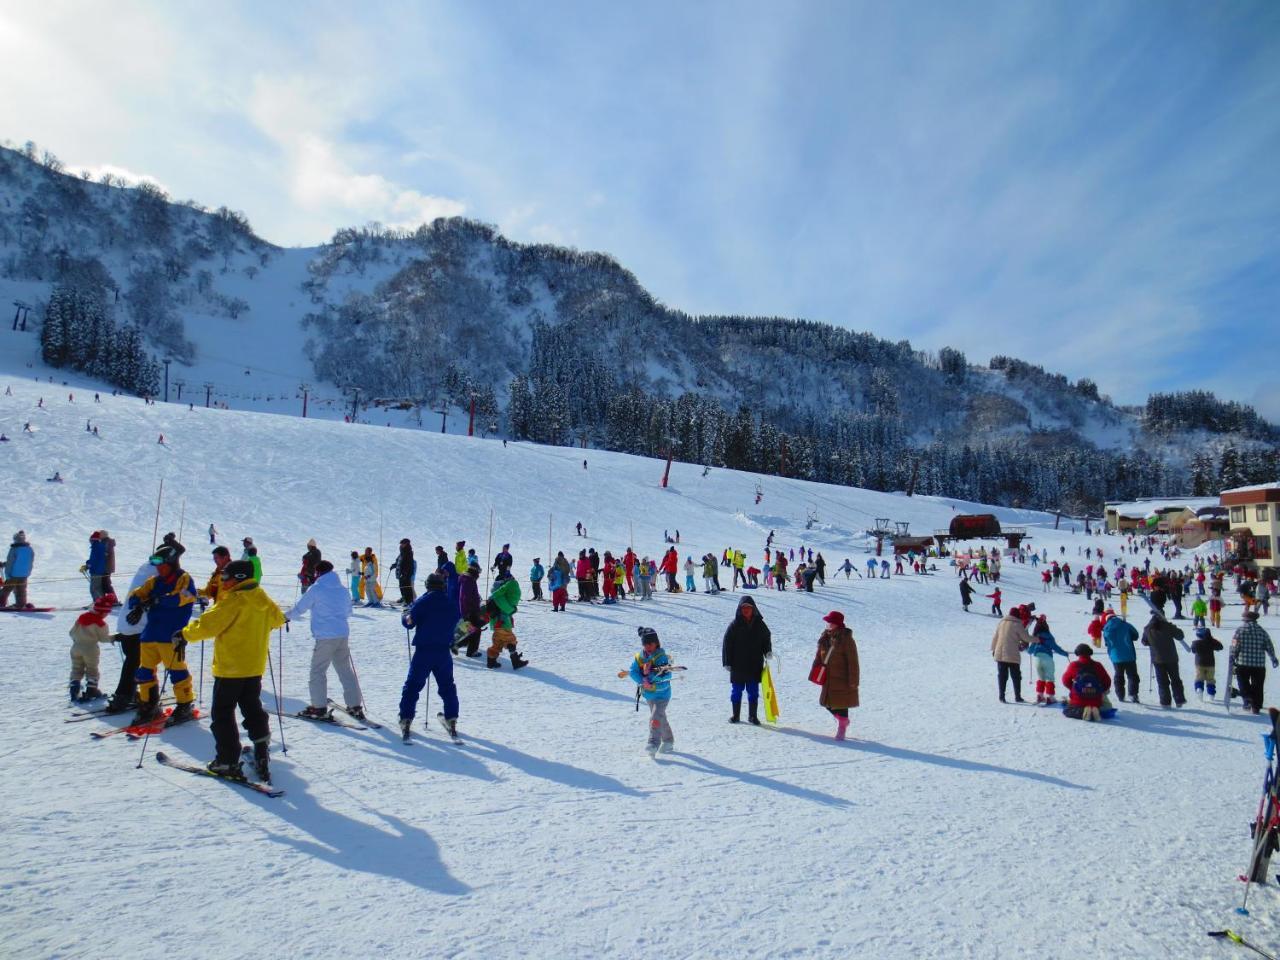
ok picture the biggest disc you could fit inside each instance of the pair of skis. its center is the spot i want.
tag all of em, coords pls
(406, 736)
(136, 731)
(263, 788)
(339, 717)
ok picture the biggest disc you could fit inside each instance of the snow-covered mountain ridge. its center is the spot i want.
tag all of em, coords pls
(556, 345)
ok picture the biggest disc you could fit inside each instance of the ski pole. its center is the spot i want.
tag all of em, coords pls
(426, 705)
(147, 738)
(275, 691)
(200, 694)
(1236, 938)
(408, 647)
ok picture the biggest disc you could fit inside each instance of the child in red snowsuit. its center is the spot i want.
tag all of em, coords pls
(995, 602)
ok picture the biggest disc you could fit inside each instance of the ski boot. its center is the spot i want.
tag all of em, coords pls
(262, 759)
(181, 714)
(651, 749)
(316, 713)
(667, 746)
(751, 714)
(451, 726)
(221, 768)
(73, 690)
(356, 712)
(517, 661)
(406, 724)
(91, 693)
(116, 705)
(737, 713)
(493, 664)
(1039, 698)
(148, 709)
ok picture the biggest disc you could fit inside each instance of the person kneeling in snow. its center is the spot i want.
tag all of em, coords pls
(1088, 683)
(240, 623)
(651, 673)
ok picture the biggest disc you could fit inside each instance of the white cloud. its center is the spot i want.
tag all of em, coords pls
(303, 116)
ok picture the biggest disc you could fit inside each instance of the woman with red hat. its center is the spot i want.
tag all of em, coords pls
(838, 654)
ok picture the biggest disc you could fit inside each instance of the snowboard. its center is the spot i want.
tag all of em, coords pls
(769, 694)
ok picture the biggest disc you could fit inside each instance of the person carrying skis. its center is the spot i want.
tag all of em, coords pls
(167, 598)
(307, 573)
(1250, 648)
(839, 654)
(502, 605)
(651, 672)
(1160, 635)
(240, 625)
(1087, 684)
(536, 573)
(1121, 638)
(405, 568)
(966, 594)
(1007, 644)
(330, 609)
(17, 569)
(747, 642)
(88, 633)
(1203, 648)
(472, 613)
(1043, 647)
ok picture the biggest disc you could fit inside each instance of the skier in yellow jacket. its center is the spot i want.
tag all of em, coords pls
(240, 623)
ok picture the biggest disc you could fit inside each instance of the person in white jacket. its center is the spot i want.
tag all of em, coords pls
(330, 607)
(129, 635)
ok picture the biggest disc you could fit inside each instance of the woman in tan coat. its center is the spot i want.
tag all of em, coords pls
(1010, 639)
(837, 650)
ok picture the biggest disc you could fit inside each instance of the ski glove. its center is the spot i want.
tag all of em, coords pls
(134, 616)
(179, 646)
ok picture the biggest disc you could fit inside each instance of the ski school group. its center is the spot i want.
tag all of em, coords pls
(155, 624)
(1088, 683)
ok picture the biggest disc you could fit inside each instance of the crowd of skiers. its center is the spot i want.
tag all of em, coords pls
(1087, 682)
(157, 619)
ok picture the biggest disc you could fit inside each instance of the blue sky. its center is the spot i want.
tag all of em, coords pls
(1092, 186)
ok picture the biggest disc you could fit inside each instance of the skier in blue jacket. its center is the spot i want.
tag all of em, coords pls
(96, 565)
(536, 573)
(433, 618)
(1121, 638)
(17, 568)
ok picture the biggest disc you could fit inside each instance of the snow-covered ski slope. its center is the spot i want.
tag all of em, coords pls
(951, 826)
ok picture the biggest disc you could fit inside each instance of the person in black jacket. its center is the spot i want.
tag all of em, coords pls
(1160, 635)
(1204, 646)
(307, 574)
(966, 594)
(406, 569)
(747, 642)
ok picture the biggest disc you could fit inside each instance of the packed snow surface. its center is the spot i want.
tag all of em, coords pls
(951, 825)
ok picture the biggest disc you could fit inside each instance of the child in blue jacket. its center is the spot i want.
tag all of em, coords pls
(1043, 647)
(651, 672)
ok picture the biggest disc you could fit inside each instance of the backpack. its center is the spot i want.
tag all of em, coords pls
(1087, 685)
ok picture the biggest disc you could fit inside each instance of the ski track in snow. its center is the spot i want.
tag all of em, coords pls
(950, 826)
